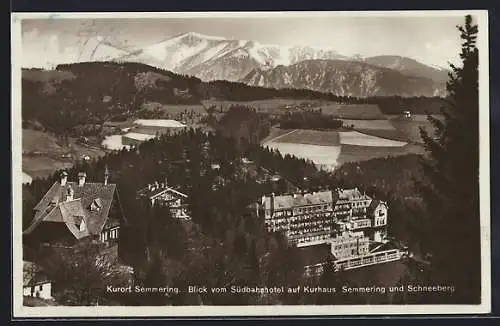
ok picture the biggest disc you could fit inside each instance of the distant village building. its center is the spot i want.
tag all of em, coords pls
(134, 138)
(406, 114)
(162, 194)
(73, 211)
(351, 223)
(146, 129)
(27, 179)
(35, 282)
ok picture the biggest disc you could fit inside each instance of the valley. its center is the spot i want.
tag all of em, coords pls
(55, 102)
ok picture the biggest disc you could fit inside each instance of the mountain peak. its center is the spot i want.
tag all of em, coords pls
(200, 36)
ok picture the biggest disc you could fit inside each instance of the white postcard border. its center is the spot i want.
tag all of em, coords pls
(213, 311)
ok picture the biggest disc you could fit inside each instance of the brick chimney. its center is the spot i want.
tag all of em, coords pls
(64, 178)
(81, 178)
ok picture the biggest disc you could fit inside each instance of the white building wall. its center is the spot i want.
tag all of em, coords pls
(43, 291)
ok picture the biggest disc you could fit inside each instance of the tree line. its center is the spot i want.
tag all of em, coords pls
(81, 94)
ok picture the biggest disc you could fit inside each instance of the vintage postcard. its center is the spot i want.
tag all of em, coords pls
(250, 163)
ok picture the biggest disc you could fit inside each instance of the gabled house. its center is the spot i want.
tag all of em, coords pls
(72, 211)
(161, 194)
(35, 282)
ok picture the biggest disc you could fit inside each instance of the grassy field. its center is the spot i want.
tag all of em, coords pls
(328, 149)
(274, 133)
(411, 128)
(309, 137)
(42, 153)
(352, 153)
(353, 111)
(360, 139)
(38, 141)
(382, 124)
(324, 156)
(43, 166)
(270, 106)
(391, 134)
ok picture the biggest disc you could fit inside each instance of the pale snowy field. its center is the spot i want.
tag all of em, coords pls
(159, 123)
(323, 156)
(113, 142)
(360, 139)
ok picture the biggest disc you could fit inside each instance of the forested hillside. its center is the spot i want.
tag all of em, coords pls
(85, 95)
(227, 243)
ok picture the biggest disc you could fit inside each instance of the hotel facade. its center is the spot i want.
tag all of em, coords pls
(351, 223)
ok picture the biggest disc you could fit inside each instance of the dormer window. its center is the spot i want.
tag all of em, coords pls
(80, 224)
(96, 205)
(54, 201)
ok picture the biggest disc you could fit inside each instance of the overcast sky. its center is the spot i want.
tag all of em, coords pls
(432, 40)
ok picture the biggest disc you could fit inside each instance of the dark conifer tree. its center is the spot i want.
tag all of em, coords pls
(451, 191)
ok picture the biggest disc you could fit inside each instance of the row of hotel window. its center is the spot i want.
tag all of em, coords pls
(311, 238)
(300, 210)
(308, 231)
(300, 230)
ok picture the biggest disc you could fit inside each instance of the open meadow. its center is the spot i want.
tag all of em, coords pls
(360, 139)
(323, 156)
(353, 153)
(43, 153)
(276, 105)
(353, 111)
(309, 137)
(411, 127)
(329, 149)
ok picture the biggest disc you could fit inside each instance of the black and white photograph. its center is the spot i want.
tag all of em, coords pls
(250, 163)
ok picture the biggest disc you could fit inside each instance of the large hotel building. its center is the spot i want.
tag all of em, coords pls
(350, 223)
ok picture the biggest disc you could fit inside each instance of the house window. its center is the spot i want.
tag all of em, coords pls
(40, 287)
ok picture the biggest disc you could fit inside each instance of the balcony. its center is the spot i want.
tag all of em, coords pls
(360, 224)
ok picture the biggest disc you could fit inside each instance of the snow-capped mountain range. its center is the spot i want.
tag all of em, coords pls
(214, 58)
(218, 58)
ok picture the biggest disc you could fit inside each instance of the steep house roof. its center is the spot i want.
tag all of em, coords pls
(153, 191)
(91, 205)
(374, 204)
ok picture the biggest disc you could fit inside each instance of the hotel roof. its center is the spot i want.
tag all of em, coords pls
(350, 194)
(308, 199)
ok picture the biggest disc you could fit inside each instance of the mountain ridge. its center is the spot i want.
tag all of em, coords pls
(217, 58)
(345, 78)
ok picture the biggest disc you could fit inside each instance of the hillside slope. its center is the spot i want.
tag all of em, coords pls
(409, 67)
(344, 78)
(85, 95)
